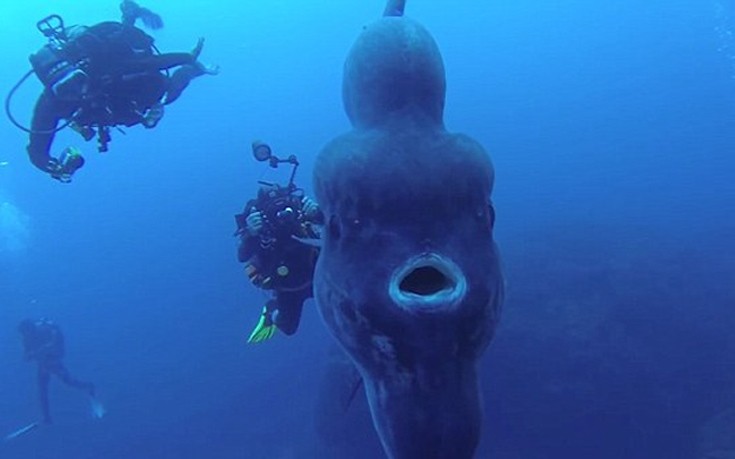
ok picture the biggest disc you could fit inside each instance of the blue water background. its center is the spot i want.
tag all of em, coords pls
(610, 125)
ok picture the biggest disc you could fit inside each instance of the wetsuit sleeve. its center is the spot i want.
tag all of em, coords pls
(46, 117)
(248, 244)
(248, 248)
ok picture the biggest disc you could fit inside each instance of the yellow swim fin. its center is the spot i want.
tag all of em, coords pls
(265, 328)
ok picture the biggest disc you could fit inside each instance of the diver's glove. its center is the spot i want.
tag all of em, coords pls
(254, 223)
(152, 116)
(309, 206)
(265, 329)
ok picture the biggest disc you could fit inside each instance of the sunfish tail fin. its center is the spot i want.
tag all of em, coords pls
(394, 8)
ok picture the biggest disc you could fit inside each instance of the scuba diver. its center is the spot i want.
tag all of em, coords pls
(99, 77)
(43, 342)
(277, 232)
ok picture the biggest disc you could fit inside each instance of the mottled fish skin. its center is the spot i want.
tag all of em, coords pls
(408, 280)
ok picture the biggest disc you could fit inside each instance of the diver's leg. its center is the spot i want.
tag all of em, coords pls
(290, 305)
(182, 77)
(179, 81)
(158, 62)
(63, 374)
(43, 380)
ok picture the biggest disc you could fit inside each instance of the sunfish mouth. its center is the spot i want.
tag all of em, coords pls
(428, 283)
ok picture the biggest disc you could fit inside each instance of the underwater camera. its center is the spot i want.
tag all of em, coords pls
(71, 160)
(286, 216)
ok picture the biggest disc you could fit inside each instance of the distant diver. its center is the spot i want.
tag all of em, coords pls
(277, 232)
(43, 342)
(408, 279)
(100, 77)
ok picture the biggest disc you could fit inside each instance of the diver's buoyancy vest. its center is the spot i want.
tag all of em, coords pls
(96, 49)
(91, 58)
(52, 65)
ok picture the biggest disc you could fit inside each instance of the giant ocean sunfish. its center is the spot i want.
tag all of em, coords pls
(408, 279)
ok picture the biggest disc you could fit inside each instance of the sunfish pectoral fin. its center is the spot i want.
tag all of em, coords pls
(313, 242)
(394, 8)
(356, 385)
(22, 431)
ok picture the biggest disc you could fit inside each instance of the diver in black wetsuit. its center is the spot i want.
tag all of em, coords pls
(43, 342)
(272, 229)
(100, 77)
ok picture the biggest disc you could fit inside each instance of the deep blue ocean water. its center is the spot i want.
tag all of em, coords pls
(610, 125)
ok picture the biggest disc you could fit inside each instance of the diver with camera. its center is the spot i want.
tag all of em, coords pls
(100, 78)
(278, 232)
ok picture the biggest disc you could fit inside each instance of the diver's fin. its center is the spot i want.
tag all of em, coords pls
(264, 330)
(21, 431)
(98, 409)
(150, 19)
(131, 12)
(263, 333)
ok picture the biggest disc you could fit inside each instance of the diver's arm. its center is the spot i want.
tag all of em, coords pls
(250, 236)
(46, 117)
(249, 246)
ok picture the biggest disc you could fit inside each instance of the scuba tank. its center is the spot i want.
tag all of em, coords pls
(53, 64)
